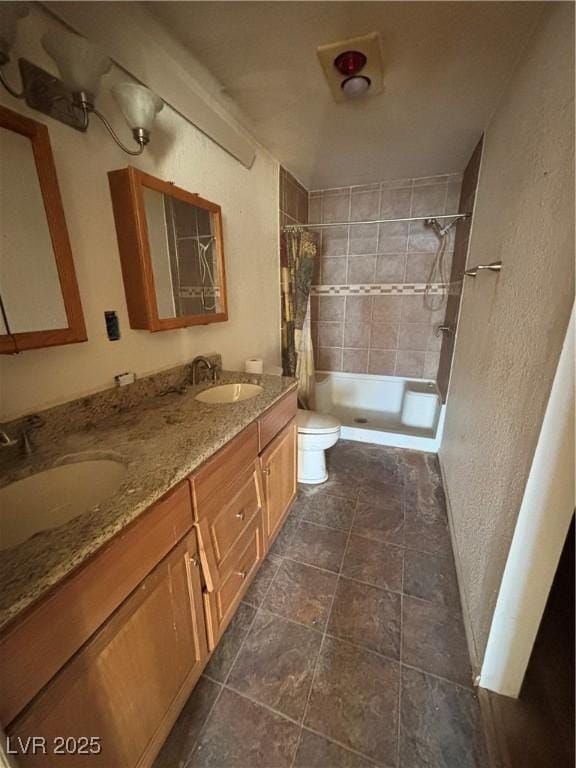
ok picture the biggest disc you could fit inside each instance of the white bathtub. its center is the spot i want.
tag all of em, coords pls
(386, 410)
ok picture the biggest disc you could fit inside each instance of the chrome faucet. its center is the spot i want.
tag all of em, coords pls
(204, 362)
(23, 440)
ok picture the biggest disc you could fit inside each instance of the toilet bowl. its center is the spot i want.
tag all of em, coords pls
(316, 433)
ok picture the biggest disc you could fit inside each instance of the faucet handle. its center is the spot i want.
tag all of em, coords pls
(6, 441)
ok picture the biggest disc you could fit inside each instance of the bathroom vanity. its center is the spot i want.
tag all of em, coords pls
(107, 656)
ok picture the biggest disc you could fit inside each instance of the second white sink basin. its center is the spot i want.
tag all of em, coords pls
(229, 393)
(53, 497)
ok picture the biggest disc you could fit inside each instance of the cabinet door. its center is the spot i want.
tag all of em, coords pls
(128, 684)
(279, 467)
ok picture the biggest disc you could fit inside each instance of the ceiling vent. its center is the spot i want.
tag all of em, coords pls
(353, 67)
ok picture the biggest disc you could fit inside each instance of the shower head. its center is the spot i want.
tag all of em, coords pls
(438, 228)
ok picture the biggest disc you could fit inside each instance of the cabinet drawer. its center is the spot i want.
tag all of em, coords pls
(276, 418)
(38, 645)
(226, 516)
(221, 604)
(209, 484)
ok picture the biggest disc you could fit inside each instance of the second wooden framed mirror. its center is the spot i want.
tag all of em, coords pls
(171, 251)
(39, 299)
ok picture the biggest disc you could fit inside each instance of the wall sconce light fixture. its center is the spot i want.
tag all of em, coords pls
(71, 99)
(10, 13)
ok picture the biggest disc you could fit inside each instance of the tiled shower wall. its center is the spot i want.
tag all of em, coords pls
(293, 200)
(367, 306)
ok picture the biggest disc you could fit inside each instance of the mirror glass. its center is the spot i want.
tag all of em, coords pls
(29, 284)
(183, 250)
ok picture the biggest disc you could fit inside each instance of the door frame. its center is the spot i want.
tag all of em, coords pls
(541, 529)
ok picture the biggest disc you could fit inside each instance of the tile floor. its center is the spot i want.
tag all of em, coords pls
(348, 650)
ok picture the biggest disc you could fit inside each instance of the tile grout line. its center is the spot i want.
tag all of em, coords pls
(201, 731)
(260, 609)
(256, 612)
(286, 717)
(324, 635)
(344, 746)
(399, 735)
(470, 688)
(223, 685)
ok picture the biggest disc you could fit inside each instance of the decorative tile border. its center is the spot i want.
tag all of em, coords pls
(368, 289)
(197, 291)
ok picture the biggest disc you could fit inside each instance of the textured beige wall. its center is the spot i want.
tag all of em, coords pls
(512, 326)
(178, 152)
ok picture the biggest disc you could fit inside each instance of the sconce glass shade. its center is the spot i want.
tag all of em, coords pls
(9, 15)
(139, 104)
(81, 63)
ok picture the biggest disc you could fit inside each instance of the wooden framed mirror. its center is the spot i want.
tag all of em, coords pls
(39, 299)
(171, 251)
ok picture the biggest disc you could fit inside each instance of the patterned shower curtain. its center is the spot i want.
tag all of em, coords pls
(297, 255)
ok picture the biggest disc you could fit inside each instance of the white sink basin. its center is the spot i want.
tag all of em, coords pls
(53, 497)
(229, 393)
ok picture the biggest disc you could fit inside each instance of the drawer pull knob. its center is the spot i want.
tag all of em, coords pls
(194, 561)
(242, 574)
(266, 471)
(241, 515)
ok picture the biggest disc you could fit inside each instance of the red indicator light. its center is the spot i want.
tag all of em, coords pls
(350, 62)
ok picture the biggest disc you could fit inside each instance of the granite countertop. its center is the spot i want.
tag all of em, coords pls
(161, 439)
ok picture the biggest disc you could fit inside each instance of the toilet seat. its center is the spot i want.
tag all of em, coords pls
(314, 423)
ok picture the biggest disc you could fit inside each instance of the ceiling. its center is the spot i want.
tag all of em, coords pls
(445, 66)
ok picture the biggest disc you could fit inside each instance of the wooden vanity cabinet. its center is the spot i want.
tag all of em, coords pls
(115, 649)
(128, 683)
(228, 505)
(241, 497)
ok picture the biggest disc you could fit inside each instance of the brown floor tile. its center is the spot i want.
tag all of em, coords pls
(382, 469)
(440, 725)
(299, 503)
(257, 590)
(346, 456)
(380, 494)
(317, 752)
(319, 546)
(431, 577)
(276, 664)
(354, 700)
(341, 482)
(332, 511)
(179, 745)
(374, 562)
(380, 523)
(282, 542)
(433, 639)
(368, 616)
(426, 527)
(225, 652)
(302, 593)
(240, 734)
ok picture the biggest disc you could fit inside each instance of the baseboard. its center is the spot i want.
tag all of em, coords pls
(495, 744)
(472, 649)
(489, 724)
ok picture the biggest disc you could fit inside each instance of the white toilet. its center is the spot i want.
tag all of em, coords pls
(316, 433)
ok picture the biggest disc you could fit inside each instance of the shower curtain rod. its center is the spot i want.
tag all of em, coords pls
(377, 221)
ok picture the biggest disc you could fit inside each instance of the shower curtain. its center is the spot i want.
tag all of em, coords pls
(297, 255)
